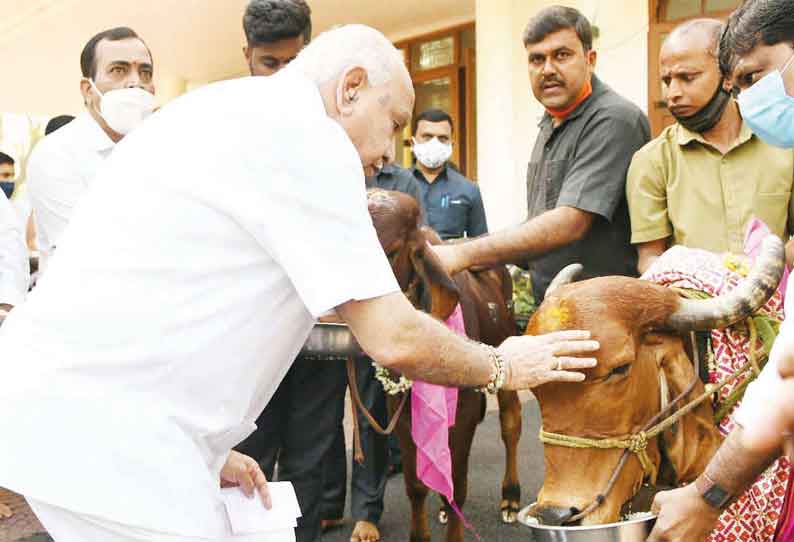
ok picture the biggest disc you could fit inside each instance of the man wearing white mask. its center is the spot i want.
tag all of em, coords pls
(452, 202)
(118, 93)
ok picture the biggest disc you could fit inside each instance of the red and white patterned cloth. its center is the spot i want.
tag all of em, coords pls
(755, 515)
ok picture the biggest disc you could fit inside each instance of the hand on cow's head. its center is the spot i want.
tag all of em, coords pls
(440, 293)
(396, 217)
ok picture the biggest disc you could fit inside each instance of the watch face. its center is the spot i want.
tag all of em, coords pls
(716, 496)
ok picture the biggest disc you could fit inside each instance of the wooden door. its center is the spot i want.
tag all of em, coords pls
(442, 68)
(439, 89)
(658, 114)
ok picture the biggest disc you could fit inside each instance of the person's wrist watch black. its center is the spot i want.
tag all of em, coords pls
(715, 496)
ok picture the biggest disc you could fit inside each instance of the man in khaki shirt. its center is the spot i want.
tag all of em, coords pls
(702, 180)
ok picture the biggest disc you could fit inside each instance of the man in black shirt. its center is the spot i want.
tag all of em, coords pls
(576, 179)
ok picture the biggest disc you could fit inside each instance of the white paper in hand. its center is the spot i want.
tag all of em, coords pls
(249, 515)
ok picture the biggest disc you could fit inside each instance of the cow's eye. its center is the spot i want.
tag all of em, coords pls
(620, 370)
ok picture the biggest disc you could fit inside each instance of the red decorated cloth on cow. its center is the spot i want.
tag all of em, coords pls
(754, 516)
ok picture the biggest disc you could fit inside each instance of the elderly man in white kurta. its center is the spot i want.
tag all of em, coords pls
(148, 360)
(14, 269)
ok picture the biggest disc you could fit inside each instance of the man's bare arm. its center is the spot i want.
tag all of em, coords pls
(648, 252)
(549, 231)
(684, 515)
(734, 467)
(397, 336)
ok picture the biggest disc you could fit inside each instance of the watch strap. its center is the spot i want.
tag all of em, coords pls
(715, 495)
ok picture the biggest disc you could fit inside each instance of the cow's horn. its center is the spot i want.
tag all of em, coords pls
(741, 302)
(567, 275)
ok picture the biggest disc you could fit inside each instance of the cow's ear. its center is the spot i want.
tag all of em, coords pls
(440, 295)
(689, 444)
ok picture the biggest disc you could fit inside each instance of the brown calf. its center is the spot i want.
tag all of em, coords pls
(486, 301)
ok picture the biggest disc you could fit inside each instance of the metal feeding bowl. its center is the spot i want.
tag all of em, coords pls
(633, 530)
(329, 340)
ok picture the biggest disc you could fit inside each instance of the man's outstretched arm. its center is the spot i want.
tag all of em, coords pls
(398, 336)
(551, 230)
(684, 513)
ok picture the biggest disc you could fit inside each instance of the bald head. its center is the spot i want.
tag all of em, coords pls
(691, 80)
(336, 50)
(365, 87)
(702, 34)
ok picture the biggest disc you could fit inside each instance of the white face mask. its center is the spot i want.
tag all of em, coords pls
(433, 154)
(125, 108)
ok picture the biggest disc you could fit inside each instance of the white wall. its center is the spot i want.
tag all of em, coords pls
(508, 113)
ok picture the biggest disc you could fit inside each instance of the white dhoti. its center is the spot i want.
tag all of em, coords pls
(67, 526)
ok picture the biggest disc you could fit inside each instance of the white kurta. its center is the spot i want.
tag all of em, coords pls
(14, 269)
(60, 171)
(178, 298)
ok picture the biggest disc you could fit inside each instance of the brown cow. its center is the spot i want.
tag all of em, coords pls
(486, 300)
(641, 327)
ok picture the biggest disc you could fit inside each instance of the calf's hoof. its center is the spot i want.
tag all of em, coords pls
(5, 512)
(509, 516)
(364, 531)
(443, 517)
(509, 511)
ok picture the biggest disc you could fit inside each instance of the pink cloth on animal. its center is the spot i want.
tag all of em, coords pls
(433, 410)
(757, 230)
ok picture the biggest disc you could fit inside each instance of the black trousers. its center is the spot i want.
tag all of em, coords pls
(296, 429)
(368, 481)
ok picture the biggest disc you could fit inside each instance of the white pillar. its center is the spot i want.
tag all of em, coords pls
(503, 195)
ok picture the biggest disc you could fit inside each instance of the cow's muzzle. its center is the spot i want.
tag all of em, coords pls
(554, 515)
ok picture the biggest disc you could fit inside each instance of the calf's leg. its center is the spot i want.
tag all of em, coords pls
(510, 421)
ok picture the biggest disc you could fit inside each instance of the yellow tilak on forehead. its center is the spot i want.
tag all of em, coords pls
(555, 316)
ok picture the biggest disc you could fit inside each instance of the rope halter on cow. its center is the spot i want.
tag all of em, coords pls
(637, 443)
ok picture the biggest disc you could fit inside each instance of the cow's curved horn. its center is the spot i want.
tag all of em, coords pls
(748, 296)
(567, 275)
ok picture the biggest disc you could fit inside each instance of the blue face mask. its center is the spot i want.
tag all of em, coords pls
(768, 110)
(7, 187)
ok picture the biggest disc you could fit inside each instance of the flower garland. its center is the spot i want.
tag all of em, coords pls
(391, 386)
(394, 387)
